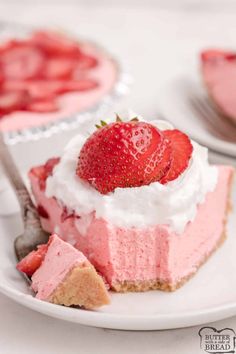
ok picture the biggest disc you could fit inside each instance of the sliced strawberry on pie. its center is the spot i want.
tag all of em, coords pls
(54, 43)
(12, 101)
(1, 78)
(33, 260)
(9, 44)
(15, 85)
(86, 62)
(48, 89)
(43, 106)
(79, 85)
(22, 62)
(59, 68)
(41, 93)
(181, 152)
(219, 75)
(43, 90)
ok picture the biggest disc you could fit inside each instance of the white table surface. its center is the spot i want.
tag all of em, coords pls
(157, 43)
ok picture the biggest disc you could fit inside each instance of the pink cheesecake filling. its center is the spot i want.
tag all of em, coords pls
(60, 258)
(220, 80)
(142, 254)
(105, 73)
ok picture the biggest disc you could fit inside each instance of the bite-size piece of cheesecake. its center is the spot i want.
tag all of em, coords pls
(139, 199)
(62, 275)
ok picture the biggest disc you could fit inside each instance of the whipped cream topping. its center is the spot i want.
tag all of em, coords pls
(173, 204)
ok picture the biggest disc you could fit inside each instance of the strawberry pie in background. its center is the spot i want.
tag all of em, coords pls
(50, 81)
(219, 76)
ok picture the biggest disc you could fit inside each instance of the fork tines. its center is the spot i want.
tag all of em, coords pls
(216, 122)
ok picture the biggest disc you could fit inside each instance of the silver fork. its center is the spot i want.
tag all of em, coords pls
(33, 234)
(217, 123)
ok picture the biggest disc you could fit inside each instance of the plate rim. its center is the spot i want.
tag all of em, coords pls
(116, 321)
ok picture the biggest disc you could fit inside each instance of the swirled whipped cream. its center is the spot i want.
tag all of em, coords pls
(173, 204)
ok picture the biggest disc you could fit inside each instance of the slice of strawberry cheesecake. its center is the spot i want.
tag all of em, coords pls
(219, 75)
(62, 275)
(139, 199)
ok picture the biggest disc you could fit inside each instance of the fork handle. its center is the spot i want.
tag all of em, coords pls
(15, 179)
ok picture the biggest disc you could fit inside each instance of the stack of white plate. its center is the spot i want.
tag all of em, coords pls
(174, 102)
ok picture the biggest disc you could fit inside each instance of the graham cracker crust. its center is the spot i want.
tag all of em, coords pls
(81, 287)
(141, 286)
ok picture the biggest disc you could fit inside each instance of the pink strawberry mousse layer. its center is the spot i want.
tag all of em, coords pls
(141, 255)
(60, 259)
(219, 76)
(105, 73)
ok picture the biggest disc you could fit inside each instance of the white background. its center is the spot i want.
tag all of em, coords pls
(158, 40)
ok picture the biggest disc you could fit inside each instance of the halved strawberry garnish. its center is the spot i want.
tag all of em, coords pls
(181, 153)
(54, 43)
(12, 100)
(42, 106)
(22, 63)
(33, 260)
(124, 154)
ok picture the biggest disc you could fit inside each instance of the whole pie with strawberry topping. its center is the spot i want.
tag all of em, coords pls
(49, 76)
(139, 199)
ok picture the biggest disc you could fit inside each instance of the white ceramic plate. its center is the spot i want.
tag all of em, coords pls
(209, 296)
(174, 105)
